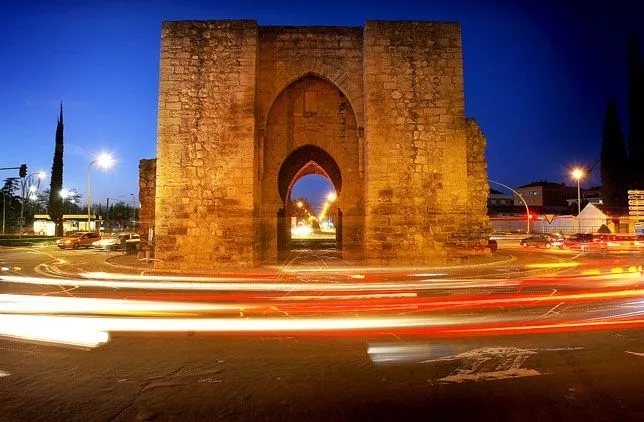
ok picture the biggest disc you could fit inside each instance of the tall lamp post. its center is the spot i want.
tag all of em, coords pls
(104, 161)
(134, 211)
(527, 210)
(577, 174)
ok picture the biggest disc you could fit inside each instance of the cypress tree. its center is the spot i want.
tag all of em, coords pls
(55, 200)
(614, 162)
(635, 115)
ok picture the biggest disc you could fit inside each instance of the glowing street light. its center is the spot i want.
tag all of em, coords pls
(25, 182)
(331, 196)
(300, 204)
(577, 174)
(105, 161)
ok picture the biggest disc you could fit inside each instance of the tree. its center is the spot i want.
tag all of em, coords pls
(301, 213)
(55, 200)
(121, 214)
(614, 162)
(11, 201)
(635, 114)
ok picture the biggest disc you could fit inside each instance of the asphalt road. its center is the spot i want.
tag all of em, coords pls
(583, 376)
(382, 375)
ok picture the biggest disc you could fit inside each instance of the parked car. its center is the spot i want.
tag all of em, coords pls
(116, 241)
(77, 240)
(544, 240)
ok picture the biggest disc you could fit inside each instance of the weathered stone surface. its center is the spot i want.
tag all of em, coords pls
(147, 195)
(383, 106)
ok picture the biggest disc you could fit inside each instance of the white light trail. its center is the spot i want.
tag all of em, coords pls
(125, 281)
(27, 304)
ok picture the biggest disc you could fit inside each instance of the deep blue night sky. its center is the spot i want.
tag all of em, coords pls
(537, 76)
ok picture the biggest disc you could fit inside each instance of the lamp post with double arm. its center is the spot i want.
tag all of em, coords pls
(105, 161)
(25, 181)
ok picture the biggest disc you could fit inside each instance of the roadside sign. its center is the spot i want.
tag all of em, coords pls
(639, 228)
(549, 217)
(636, 203)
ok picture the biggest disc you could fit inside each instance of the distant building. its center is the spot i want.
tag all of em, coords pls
(499, 199)
(545, 194)
(592, 195)
(44, 226)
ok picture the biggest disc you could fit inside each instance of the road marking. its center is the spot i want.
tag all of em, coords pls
(4, 374)
(635, 353)
(491, 363)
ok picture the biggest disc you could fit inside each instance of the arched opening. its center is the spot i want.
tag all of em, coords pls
(310, 186)
(311, 216)
(310, 129)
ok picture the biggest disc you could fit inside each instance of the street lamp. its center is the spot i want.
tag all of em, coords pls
(105, 161)
(577, 174)
(41, 175)
(68, 194)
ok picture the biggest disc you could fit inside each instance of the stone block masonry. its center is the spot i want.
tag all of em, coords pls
(381, 107)
(206, 141)
(147, 197)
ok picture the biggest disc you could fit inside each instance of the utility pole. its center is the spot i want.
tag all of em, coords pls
(4, 204)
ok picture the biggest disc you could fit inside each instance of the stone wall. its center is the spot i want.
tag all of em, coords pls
(478, 188)
(206, 140)
(287, 54)
(416, 167)
(147, 197)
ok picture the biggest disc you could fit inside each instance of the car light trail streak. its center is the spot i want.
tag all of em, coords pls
(248, 305)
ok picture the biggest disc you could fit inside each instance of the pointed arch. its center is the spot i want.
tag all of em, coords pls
(307, 159)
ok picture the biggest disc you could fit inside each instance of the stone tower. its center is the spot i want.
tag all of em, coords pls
(247, 110)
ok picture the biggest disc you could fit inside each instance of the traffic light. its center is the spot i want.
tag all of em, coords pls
(23, 170)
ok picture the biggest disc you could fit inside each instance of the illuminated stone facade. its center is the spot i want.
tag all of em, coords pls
(246, 110)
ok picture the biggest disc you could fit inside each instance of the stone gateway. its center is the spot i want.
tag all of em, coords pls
(246, 110)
